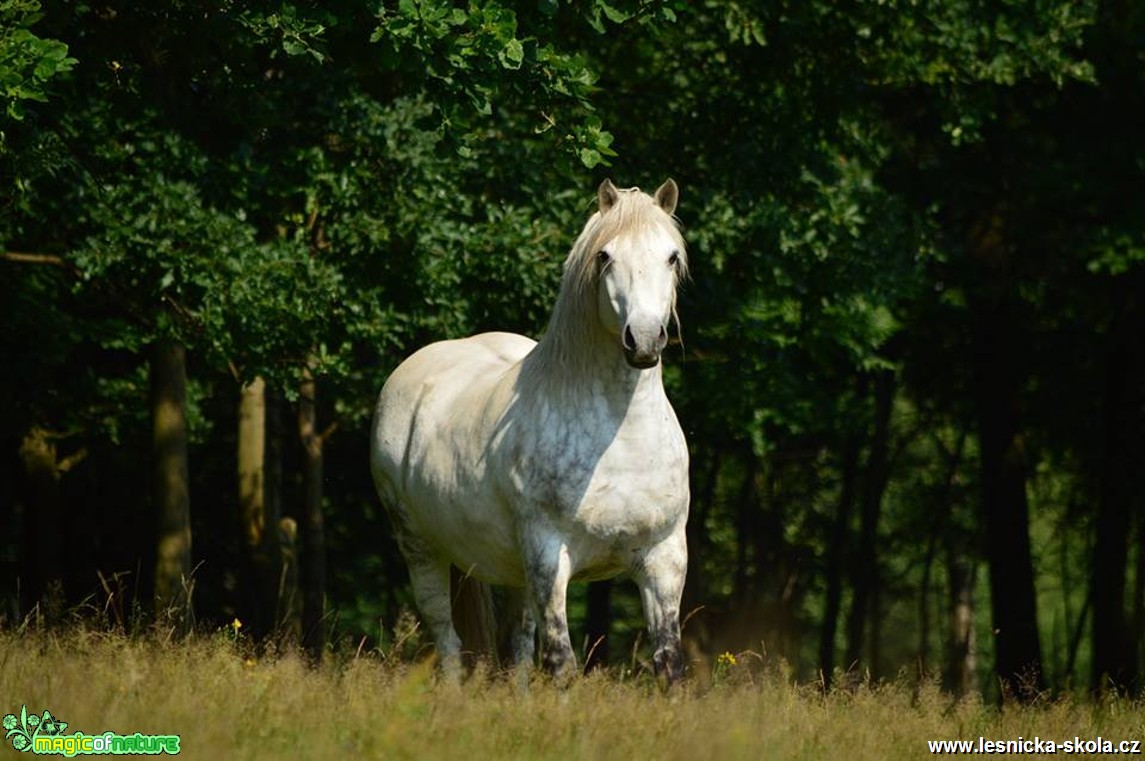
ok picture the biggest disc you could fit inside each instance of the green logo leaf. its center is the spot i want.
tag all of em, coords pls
(20, 732)
(52, 726)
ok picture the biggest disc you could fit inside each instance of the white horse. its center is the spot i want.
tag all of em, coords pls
(532, 464)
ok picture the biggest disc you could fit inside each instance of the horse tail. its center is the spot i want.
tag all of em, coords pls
(473, 617)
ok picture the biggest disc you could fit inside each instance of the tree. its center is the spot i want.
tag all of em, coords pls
(173, 584)
(27, 62)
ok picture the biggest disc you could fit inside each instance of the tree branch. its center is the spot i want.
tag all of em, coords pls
(328, 431)
(73, 460)
(52, 260)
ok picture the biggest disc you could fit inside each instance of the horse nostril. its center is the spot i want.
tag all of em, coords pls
(629, 340)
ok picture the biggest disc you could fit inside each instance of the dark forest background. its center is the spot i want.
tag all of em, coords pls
(911, 369)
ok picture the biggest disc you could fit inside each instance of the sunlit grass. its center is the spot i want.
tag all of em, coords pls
(227, 703)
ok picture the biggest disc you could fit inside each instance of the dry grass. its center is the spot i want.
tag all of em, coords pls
(226, 704)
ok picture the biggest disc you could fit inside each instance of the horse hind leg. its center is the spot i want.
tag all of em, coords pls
(517, 633)
(474, 618)
(429, 577)
(523, 639)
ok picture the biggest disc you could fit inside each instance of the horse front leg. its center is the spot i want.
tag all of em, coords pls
(548, 569)
(660, 576)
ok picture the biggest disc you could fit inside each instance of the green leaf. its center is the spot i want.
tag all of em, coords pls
(512, 55)
(590, 157)
(612, 13)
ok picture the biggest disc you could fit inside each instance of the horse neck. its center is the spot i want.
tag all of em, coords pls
(578, 360)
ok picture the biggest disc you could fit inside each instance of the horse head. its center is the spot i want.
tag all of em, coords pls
(639, 260)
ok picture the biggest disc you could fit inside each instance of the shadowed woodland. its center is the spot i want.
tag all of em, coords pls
(910, 370)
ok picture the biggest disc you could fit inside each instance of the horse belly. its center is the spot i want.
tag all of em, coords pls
(473, 530)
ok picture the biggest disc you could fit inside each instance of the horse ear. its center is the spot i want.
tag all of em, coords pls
(607, 195)
(667, 195)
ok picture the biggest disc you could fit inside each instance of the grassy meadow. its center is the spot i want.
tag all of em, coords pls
(226, 703)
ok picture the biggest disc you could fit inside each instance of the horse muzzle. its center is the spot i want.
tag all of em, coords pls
(643, 343)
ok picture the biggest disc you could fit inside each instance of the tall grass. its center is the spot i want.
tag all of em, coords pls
(225, 703)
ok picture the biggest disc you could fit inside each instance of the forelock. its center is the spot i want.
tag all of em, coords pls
(634, 212)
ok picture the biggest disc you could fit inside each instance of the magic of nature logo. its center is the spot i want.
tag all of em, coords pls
(44, 734)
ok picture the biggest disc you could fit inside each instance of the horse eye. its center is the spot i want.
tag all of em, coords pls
(603, 258)
(674, 259)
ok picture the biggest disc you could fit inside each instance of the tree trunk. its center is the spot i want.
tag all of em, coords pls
(998, 382)
(173, 584)
(1114, 659)
(287, 615)
(864, 604)
(1138, 591)
(746, 504)
(259, 524)
(42, 549)
(836, 551)
(1017, 652)
(1076, 633)
(962, 660)
(598, 624)
(924, 592)
(960, 657)
(776, 580)
(703, 496)
(313, 525)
